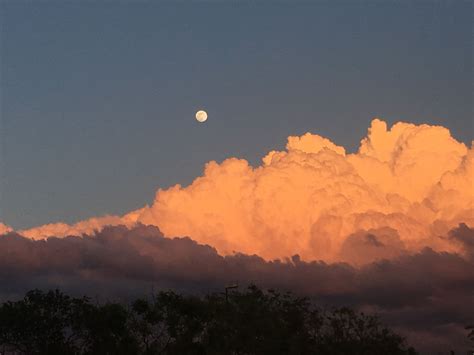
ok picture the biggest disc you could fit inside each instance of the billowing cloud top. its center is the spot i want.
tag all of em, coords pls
(404, 189)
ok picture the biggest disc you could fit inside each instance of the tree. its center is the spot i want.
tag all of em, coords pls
(255, 322)
(106, 330)
(346, 331)
(251, 321)
(41, 323)
(170, 323)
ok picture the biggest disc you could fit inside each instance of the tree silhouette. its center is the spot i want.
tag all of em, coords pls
(41, 323)
(244, 322)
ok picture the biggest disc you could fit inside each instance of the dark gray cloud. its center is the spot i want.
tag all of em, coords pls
(363, 247)
(427, 295)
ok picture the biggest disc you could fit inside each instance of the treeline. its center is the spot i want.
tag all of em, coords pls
(244, 322)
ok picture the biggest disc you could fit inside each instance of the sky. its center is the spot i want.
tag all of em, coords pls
(98, 99)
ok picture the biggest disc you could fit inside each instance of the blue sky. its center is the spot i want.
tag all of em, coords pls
(98, 99)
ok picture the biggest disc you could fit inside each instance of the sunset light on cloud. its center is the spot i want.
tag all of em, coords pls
(406, 187)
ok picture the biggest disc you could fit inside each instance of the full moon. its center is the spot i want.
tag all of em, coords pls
(201, 116)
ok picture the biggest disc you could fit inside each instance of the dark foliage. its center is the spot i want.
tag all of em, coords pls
(248, 322)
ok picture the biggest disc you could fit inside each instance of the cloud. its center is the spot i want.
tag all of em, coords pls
(89, 226)
(365, 247)
(4, 228)
(426, 295)
(416, 180)
(313, 198)
(463, 236)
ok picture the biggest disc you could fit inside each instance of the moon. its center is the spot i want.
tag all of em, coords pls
(201, 116)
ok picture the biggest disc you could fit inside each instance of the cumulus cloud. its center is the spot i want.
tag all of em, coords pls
(426, 295)
(308, 199)
(315, 200)
(4, 228)
(365, 247)
(88, 226)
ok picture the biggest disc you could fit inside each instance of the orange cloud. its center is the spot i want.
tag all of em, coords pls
(87, 227)
(4, 228)
(315, 200)
(416, 180)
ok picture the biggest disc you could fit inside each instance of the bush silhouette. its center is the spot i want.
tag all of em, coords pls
(252, 321)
